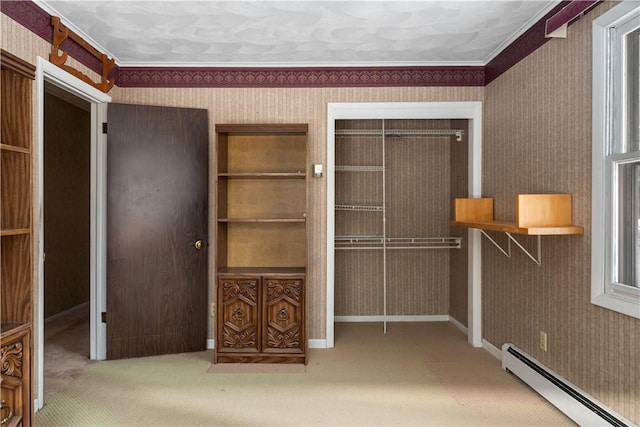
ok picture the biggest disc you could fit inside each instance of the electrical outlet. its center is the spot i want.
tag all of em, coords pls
(213, 309)
(543, 340)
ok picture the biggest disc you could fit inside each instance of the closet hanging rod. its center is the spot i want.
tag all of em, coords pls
(401, 132)
(350, 168)
(379, 242)
(365, 208)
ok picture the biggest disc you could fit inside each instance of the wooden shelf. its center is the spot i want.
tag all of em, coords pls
(265, 175)
(235, 271)
(14, 232)
(536, 215)
(511, 227)
(263, 128)
(15, 149)
(262, 219)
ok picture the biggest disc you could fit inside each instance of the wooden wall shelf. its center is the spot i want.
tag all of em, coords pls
(536, 215)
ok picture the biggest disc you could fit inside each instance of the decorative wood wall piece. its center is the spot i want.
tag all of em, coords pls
(59, 56)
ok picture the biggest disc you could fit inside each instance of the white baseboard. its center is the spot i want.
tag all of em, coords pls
(211, 344)
(459, 325)
(317, 343)
(67, 312)
(417, 318)
(492, 349)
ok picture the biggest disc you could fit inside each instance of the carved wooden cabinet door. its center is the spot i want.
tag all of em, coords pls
(238, 325)
(15, 379)
(283, 316)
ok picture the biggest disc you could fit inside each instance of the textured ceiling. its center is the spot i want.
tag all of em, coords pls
(299, 33)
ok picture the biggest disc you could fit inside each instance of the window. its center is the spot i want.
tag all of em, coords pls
(615, 281)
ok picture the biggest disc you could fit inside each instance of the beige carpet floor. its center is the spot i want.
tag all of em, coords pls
(417, 374)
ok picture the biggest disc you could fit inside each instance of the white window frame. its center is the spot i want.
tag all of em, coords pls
(608, 139)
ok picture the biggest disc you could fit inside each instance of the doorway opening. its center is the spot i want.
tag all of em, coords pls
(71, 90)
(67, 196)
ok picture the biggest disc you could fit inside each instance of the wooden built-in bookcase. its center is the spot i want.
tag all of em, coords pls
(261, 242)
(16, 232)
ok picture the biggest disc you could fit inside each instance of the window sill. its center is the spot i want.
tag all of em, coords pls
(625, 304)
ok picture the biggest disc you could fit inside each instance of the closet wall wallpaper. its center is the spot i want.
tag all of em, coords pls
(537, 138)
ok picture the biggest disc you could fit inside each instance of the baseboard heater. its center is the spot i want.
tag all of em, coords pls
(573, 402)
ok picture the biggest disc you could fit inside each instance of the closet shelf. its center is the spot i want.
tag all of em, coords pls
(371, 168)
(264, 175)
(14, 231)
(261, 220)
(401, 132)
(363, 242)
(15, 149)
(536, 215)
(361, 208)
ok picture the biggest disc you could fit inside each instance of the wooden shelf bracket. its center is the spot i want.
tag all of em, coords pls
(58, 56)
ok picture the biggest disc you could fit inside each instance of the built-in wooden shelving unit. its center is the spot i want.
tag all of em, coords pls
(261, 243)
(16, 239)
(536, 215)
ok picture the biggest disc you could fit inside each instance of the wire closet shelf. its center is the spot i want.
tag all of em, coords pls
(380, 242)
(396, 133)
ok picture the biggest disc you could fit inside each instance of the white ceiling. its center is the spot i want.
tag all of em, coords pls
(299, 33)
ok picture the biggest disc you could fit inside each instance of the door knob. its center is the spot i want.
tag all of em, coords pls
(198, 244)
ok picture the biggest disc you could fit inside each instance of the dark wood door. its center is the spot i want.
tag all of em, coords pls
(157, 200)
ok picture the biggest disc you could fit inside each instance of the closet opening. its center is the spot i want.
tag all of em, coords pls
(392, 177)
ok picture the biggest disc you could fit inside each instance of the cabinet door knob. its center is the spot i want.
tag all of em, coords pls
(283, 315)
(198, 244)
(238, 315)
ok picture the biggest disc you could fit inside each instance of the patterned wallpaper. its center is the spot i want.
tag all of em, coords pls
(537, 138)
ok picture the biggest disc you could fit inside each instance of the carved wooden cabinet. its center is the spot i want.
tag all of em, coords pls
(15, 382)
(261, 242)
(261, 318)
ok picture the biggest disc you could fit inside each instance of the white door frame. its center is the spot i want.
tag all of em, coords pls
(46, 71)
(471, 111)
